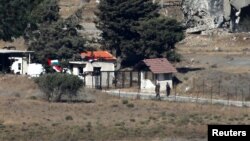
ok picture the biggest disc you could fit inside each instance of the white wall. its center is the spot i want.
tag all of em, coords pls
(146, 84)
(149, 86)
(75, 70)
(92, 80)
(105, 66)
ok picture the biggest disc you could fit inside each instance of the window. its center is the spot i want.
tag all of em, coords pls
(80, 69)
(19, 66)
(167, 76)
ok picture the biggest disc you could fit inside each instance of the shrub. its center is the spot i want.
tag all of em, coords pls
(69, 118)
(56, 85)
(131, 105)
(89, 126)
(124, 101)
(132, 120)
(33, 97)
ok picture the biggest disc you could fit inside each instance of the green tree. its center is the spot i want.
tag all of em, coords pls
(157, 38)
(57, 85)
(57, 40)
(123, 23)
(45, 11)
(17, 15)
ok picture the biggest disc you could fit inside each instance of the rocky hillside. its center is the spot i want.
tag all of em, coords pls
(89, 6)
(203, 15)
(198, 15)
(170, 8)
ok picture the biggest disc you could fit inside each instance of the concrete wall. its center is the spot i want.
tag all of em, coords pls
(92, 81)
(95, 80)
(147, 85)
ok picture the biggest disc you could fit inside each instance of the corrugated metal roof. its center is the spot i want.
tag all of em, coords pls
(159, 65)
(6, 51)
(105, 55)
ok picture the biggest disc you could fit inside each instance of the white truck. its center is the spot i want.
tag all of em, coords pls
(21, 66)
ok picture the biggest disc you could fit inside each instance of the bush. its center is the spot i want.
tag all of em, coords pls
(124, 101)
(56, 85)
(130, 105)
(69, 118)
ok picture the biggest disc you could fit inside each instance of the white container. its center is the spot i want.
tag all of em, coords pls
(35, 70)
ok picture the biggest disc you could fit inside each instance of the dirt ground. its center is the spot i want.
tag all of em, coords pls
(26, 116)
(222, 58)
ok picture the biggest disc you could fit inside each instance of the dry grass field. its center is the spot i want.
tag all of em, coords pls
(24, 115)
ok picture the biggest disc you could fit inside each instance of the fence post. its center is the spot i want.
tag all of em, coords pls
(108, 75)
(236, 92)
(123, 79)
(84, 83)
(139, 79)
(249, 91)
(175, 92)
(116, 79)
(197, 95)
(219, 86)
(100, 87)
(119, 94)
(194, 85)
(203, 89)
(228, 97)
(242, 94)
(211, 95)
(92, 81)
(131, 78)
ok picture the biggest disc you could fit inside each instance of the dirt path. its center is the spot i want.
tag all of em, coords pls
(150, 96)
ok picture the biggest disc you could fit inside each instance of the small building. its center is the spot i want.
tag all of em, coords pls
(154, 71)
(14, 61)
(96, 68)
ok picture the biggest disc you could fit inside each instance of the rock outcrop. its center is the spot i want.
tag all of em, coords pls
(202, 15)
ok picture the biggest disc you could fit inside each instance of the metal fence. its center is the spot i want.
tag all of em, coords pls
(215, 90)
(112, 79)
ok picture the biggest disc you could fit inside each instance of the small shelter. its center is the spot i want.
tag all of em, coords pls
(14, 61)
(153, 71)
(96, 68)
